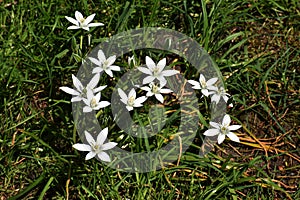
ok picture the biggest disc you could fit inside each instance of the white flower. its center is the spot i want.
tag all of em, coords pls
(156, 71)
(96, 147)
(223, 129)
(156, 90)
(131, 60)
(104, 64)
(81, 22)
(93, 102)
(131, 101)
(204, 85)
(217, 93)
(81, 92)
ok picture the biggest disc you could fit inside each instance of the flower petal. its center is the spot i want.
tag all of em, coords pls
(129, 108)
(111, 60)
(89, 19)
(132, 93)
(226, 120)
(161, 64)
(104, 156)
(215, 98)
(82, 147)
(169, 72)
(94, 81)
(103, 104)
(122, 95)
(233, 137)
(115, 68)
(146, 88)
(69, 90)
(109, 145)
(87, 109)
(89, 138)
(160, 98)
(144, 70)
(150, 63)
(95, 61)
(102, 136)
(90, 155)
(196, 85)
(101, 56)
(97, 70)
(140, 100)
(215, 125)
(72, 20)
(78, 85)
(100, 88)
(148, 79)
(211, 132)
(73, 27)
(234, 127)
(76, 99)
(211, 81)
(78, 16)
(109, 72)
(221, 138)
(165, 91)
(95, 24)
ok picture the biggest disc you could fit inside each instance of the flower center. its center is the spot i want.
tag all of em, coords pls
(82, 20)
(224, 130)
(155, 71)
(130, 101)
(203, 84)
(105, 64)
(93, 103)
(155, 89)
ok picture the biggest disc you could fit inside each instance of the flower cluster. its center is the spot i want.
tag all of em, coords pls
(209, 88)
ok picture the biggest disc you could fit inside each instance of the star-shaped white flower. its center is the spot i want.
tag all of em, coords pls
(217, 93)
(81, 22)
(96, 147)
(156, 71)
(223, 129)
(204, 85)
(131, 101)
(93, 102)
(104, 64)
(156, 90)
(81, 92)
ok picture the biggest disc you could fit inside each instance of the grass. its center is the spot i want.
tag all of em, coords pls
(256, 46)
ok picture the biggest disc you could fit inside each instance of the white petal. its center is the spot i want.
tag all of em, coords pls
(101, 56)
(72, 20)
(78, 85)
(122, 94)
(221, 138)
(211, 81)
(233, 137)
(202, 78)
(109, 72)
(103, 104)
(95, 24)
(102, 136)
(115, 68)
(129, 108)
(100, 88)
(94, 81)
(95, 61)
(144, 70)
(226, 120)
(149, 93)
(97, 97)
(234, 127)
(214, 124)
(161, 64)
(90, 155)
(82, 147)
(104, 156)
(69, 90)
(109, 145)
(146, 88)
(89, 138)
(205, 92)
(159, 97)
(148, 79)
(215, 98)
(78, 16)
(225, 98)
(89, 19)
(97, 70)
(111, 60)
(132, 93)
(169, 72)
(150, 63)
(165, 91)
(140, 100)
(196, 85)
(87, 109)
(211, 132)
(85, 28)
(73, 27)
